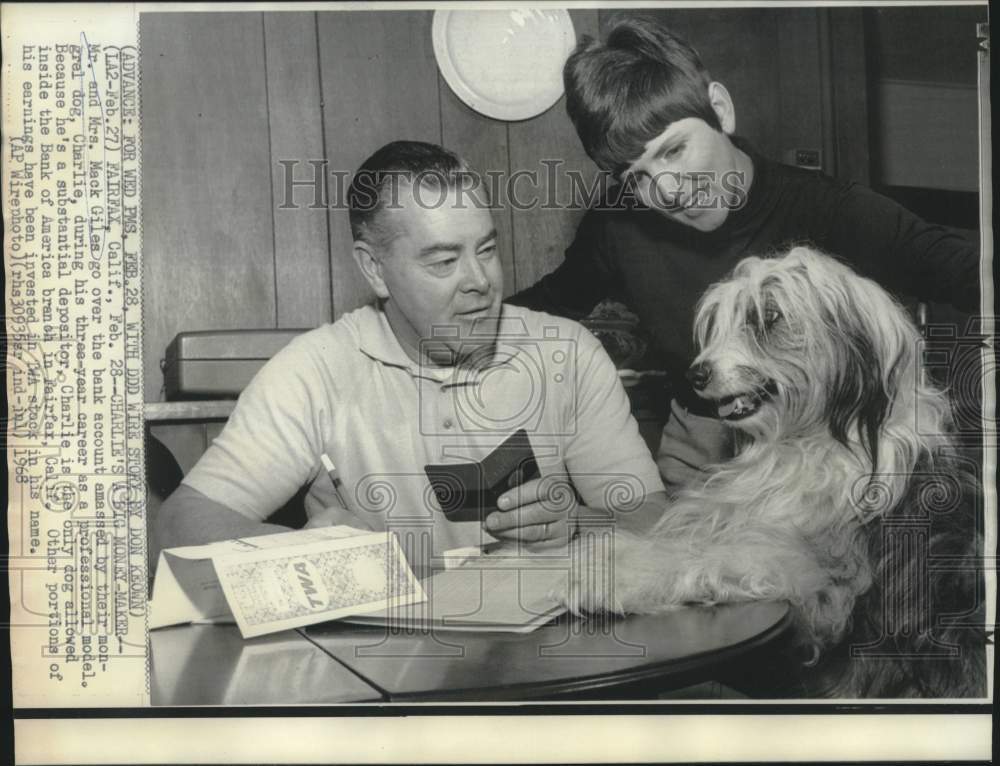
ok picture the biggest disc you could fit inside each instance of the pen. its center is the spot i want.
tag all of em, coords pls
(331, 471)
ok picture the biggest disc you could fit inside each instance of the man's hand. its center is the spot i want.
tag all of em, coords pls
(538, 511)
(689, 444)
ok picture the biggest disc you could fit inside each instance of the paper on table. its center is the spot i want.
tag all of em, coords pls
(488, 593)
(187, 588)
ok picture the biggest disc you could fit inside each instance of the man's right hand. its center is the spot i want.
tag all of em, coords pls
(689, 444)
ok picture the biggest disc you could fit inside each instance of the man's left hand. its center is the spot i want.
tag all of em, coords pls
(538, 511)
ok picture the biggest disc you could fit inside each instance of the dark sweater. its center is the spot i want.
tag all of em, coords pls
(660, 268)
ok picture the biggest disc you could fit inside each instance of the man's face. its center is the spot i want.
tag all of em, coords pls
(441, 270)
(691, 173)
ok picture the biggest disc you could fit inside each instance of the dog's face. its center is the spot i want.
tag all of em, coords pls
(794, 344)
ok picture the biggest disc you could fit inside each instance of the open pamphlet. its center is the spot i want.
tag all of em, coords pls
(288, 580)
(294, 579)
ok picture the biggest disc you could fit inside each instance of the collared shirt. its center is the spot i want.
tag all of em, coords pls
(349, 390)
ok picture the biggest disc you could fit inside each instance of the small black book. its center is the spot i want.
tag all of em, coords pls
(469, 491)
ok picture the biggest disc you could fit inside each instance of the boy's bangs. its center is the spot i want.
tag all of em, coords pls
(642, 113)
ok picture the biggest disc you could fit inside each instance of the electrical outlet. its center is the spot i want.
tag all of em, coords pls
(808, 158)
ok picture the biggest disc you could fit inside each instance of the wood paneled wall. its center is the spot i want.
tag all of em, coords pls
(227, 96)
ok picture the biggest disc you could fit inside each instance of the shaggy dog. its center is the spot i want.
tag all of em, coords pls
(845, 497)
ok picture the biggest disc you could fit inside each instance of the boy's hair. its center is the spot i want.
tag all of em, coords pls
(627, 90)
(376, 183)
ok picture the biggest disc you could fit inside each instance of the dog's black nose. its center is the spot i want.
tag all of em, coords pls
(698, 375)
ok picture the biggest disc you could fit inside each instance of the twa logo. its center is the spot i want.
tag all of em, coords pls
(307, 585)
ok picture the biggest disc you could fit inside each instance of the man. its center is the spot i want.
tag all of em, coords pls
(438, 371)
(694, 200)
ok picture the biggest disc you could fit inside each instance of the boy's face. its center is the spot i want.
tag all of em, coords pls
(692, 174)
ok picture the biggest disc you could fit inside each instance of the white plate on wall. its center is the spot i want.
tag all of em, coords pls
(505, 64)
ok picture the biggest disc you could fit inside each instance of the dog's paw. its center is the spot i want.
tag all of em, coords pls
(599, 574)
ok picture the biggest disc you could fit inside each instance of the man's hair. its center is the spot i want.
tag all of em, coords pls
(624, 92)
(376, 183)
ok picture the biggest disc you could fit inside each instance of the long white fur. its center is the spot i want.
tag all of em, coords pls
(782, 520)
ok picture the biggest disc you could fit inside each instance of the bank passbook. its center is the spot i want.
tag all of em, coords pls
(469, 491)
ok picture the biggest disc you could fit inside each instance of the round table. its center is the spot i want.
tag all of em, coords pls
(637, 657)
